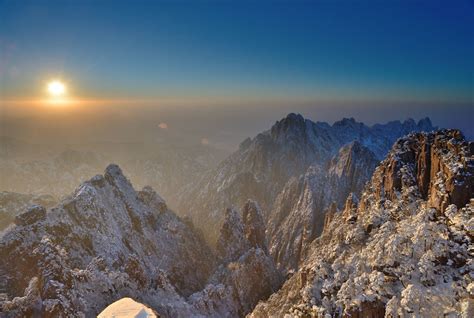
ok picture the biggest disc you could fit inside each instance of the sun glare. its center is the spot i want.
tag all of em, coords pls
(56, 88)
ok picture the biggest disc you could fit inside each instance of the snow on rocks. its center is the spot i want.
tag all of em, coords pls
(404, 254)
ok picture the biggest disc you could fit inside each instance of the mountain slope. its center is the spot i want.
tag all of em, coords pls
(404, 250)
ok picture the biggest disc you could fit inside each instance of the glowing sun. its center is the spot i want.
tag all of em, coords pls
(56, 88)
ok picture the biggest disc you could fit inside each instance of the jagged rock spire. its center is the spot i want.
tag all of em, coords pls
(232, 242)
(254, 225)
(238, 234)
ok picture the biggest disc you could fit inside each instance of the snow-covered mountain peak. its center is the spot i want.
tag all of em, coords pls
(291, 123)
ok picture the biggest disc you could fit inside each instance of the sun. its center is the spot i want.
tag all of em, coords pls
(56, 88)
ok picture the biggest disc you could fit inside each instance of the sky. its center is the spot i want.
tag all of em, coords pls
(251, 60)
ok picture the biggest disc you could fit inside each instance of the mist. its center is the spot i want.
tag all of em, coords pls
(219, 125)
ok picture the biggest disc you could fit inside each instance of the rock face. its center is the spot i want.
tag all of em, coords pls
(398, 251)
(247, 267)
(297, 217)
(254, 225)
(349, 170)
(442, 169)
(232, 242)
(108, 241)
(262, 166)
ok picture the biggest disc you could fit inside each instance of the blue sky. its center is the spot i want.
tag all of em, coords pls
(324, 49)
(253, 60)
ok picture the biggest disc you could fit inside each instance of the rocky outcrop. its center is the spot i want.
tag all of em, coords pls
(349, 170)
(232, 243)
(240, 233)
(34, 214)
(251, 278)
(254, 225)
(440, 165)
(397, 251)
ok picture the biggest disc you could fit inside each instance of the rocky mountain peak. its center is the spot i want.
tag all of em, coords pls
(351, 155)
(254, 225)
(262, 166)
(440, 164)
(292, 128)
(114, 175)
(425, 124)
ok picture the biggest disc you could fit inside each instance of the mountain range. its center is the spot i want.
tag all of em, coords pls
(286, 160)
(304, 220)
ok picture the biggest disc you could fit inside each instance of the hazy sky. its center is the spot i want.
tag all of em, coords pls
(373, 60)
